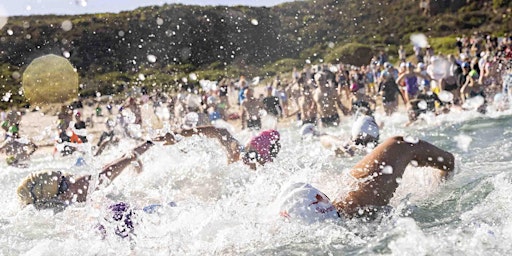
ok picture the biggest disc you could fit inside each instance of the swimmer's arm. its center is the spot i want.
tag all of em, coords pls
(426, 154)
(112, 170)
(230, 144)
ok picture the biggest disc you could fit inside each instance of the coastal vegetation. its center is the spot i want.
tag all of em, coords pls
(157, 46)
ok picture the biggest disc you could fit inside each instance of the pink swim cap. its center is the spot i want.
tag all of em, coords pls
(263, 142)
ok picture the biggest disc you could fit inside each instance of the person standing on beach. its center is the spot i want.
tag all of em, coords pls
(250, 111)
(272, 104)
(410, 77)
(327, 101)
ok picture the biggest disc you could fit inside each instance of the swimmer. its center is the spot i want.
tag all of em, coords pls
(18, 150)
(56, 190)
(261, 149)
(377, 175)
(364, 134)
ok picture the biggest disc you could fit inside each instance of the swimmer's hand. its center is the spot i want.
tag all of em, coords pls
(168, 138)
(136, 163)
(445, 176)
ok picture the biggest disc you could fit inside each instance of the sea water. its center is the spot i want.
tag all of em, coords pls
(212, 208)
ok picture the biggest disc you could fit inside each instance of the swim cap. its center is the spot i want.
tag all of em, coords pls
(264, 144)
(13, 129)
(10, 160)
(122, 215)
(308, 130)
(354, 87)
(43, 188)
(80, 161)
(365, 126)
(302, 202)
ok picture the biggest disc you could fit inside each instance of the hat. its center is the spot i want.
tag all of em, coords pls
(43, 188)
(304, 203)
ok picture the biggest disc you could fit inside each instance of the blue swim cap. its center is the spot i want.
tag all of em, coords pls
(80, 161)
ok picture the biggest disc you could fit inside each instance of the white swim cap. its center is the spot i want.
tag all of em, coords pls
(308, 130)
(365, 125)
(191, 119)
(303, 202)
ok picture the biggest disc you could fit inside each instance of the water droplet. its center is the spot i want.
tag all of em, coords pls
(414, 163)
(6, 96)
(411, 139)
(66, 54)
(66, 25)
(422, 105)
(193, 76)
(82, 3)
(16, 75)
(142, 77)
(151, 58)
(159, 21)
(387, 170)
(120, 33)
(254, 22)
(10, 32)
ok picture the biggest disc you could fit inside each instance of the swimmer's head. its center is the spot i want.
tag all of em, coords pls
(263, 148)
(302, 202)
(308, 130)
(42, 189)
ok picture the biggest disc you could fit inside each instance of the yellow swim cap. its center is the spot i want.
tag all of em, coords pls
(10, 159)
(43, 188)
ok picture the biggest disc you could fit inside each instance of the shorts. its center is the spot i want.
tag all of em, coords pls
(450, 87)
(366, 140)
(333, 120)
(254, 124)
(309, 121)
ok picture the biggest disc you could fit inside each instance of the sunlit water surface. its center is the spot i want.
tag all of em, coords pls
(229, 210)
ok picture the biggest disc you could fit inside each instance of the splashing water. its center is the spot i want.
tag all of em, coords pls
(220, 209)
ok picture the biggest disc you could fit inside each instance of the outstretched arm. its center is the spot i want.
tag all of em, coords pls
(379, 171)
(77, 189)
(112, 170)
(230, 144)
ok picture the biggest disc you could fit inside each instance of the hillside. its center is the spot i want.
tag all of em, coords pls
(166, 42)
